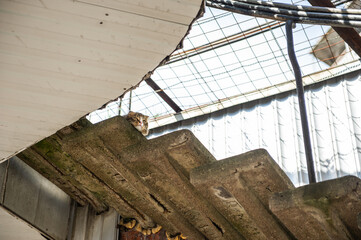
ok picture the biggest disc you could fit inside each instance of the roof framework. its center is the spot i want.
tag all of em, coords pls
(228, 59)
(349, 35)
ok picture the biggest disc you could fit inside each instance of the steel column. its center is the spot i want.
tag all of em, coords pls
(301, 102)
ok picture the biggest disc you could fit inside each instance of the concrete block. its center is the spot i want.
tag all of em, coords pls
(97, 149)
(185, 150)
(88, 150)
(84, 161)
(240, 188)
(164, 171)
(101, 156)
(325, 210)
(116, 132)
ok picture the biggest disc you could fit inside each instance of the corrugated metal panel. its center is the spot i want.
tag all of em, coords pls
(91, 226)
(33, 198)
(60, 60)
(334, 113)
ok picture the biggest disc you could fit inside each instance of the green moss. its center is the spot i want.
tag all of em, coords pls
(100, 195)
(322, 204)
(51, 150)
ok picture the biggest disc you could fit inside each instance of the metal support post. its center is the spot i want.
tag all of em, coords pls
(301, 102)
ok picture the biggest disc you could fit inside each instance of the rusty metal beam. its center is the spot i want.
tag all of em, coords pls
(163, 95)
(351, 37)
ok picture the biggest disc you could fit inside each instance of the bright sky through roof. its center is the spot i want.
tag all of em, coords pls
(227, 59)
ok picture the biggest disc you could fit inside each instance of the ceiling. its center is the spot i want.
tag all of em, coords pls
(60, 60)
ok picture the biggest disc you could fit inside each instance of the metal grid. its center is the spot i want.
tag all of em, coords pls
(229, 59)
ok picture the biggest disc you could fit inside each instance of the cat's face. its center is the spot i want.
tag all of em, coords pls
(139, 121)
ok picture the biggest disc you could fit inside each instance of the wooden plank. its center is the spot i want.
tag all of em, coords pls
(88, 28)
(34, 128)
(4, 154)
(168, 11)
(14, 146)
(17, 142)
(180, 12)
(26, 126)
(62, 59)
(83, 49)
(61, 81)
(55, 98)
(45, 114)
(36, 104)
(114, 16)
(41, 60)
(8, 139)
(37, 3)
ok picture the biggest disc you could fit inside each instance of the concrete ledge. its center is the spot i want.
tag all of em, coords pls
(240, 187)
(174, 182)
(325, 210)
(49, 160)
(165, 172)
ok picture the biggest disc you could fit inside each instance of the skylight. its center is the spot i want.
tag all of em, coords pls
(228, 59)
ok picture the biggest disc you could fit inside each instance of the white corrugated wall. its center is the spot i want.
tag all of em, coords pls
(334, 115)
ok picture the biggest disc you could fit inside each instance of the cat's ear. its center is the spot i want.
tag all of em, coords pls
(131, 113)
(146, 117)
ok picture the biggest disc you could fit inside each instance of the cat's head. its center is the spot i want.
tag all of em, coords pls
(139, 121)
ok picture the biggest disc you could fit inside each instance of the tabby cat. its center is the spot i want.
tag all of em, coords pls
(139, 121)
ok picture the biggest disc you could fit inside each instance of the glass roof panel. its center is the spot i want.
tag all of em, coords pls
(229, 58)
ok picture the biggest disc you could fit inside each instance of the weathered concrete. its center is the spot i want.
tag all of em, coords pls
(98, 152)
(153, 177)
(174, 182)
(84, 161)
(49, 158)
(167, 178)
(326, 210)
(240, 187)
(57, 176)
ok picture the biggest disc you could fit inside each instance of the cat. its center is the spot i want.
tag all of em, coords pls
(139, 121)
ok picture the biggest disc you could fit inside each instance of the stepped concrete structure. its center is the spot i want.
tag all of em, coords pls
(173, 188)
